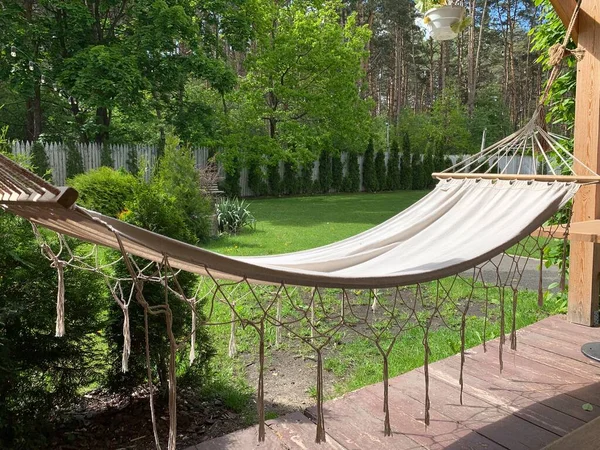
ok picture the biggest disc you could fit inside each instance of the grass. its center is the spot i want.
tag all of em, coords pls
(292, 224)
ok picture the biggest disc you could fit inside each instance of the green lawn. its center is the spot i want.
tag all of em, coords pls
(291, 224)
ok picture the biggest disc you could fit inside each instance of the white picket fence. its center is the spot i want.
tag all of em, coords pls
(146, 156)
(90, 154)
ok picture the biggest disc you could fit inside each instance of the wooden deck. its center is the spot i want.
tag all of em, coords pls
(536, 400)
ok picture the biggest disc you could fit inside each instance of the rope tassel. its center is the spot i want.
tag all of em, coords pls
(321, 436)
(126, 340)
(60, 299)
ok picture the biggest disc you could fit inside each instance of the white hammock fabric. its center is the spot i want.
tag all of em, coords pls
(460, 224)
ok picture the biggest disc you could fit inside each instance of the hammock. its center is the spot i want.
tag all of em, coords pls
(468, 219)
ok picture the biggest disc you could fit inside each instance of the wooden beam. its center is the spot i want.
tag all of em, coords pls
(564, 9)
(584, 286)
(517, 177)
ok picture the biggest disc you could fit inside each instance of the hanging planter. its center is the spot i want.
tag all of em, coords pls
(444, 21)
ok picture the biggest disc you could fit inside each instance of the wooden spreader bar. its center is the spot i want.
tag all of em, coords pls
(588, 231)
(517, 177)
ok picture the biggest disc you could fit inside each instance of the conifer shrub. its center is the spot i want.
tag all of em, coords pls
(74, 161)
(106, 157)
(132, 161)
(369, 176)
(337, 172)
(352, 180)
(393, 168)
(274, 179)
(40, 161)
(406, 175)
(290, 182)
(380, 178)
(325, 172)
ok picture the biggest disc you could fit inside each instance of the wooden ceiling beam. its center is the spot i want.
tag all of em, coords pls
(564, 9)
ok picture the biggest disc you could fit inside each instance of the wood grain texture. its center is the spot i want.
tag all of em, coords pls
(564, 9)
(585, 438)
(585, 257)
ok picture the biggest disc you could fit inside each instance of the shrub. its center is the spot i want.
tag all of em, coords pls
(405, 164)
(106, 158)
(290, 182)
(256, 179)
(417, 173)
(233, 215)
(393, 167)
(74, 161)
(337, 172)
(39, 160)
(306, 183)
(369, 176)
(274, 179)
(231, 184)
(39, 372)
(325, 176)
(105, 190)
(380, 171)
(428, 168)
(353, 177)
(132, 161)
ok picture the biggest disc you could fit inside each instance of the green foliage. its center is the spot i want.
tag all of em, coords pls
(450, 125)
(274, 179)
(105, 190)
(233, 215)
(438, 159)
(106, 158)
(306, 183)
(393, 167)
(337, 172)
(325, 172)
(418, 174)
(74, 161)
(39, 372)
(256, 179)
(370, 181)
(178, 178)
(132, 161)
(290, 182)
(406, 175)
(352, 180)
(39, 160)
(380, 171)
(231, 184)
(428, 168)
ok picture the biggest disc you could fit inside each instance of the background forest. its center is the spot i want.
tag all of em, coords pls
(264, 81)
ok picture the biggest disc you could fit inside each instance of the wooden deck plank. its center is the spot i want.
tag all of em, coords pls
(487, 419)
(356, 429)
(299, 432)
(535, 400)
(585, 438)
(522, 398)
(243, 439)
(407, 417)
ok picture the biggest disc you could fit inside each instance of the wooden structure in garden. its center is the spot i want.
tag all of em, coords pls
(536, 401)
(584, 286)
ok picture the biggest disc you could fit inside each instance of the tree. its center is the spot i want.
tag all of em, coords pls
(337, 172)
(369, 176)
(428, 168)
(418, 175)
(132, 161)
(74, 160)
(352, 180)
(406, 164)
(106, 158)
(39, 160)
(325, 174)
(393, 169)
(380, 171)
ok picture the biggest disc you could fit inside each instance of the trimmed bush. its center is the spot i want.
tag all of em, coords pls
(417, 173)
(352, 180)
(105, 190)
(428, 168)
(290, 182)
(369, 176)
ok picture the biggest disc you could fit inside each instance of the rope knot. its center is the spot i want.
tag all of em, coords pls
(556, 53)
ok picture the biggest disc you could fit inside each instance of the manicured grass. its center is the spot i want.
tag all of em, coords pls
(298, 223)
(291, 224)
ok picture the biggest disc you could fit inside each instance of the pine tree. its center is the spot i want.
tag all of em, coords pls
(369, 176)
(337, 172)
(417, 173)
(352, 181)
(428, 168)
(325, 176)
(393, 168)
(39, 160)
(380, 171)
(106, 159)
(74, 161)
(290, 182)
(132, 161)
(405, 164)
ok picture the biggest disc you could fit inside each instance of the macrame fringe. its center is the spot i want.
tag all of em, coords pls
(278, 324)
(260, 392)
(321, 436)
(502, 330)
(463, 326)
(232, 344)
(60, 298)
(485, 320)
(193, 337)
(541, 280)
(513, 331)
(387, 429)
(126, 339)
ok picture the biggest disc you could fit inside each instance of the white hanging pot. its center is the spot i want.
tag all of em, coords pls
(440, 21)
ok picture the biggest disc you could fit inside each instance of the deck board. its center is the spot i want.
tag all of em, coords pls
(536, 400)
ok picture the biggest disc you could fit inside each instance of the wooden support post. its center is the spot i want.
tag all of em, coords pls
(584, 285)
